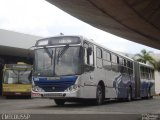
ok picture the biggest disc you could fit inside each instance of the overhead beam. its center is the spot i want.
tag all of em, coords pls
(125, 18)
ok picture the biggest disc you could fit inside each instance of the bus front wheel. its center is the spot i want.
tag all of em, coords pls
(99, 95)
(59, 102)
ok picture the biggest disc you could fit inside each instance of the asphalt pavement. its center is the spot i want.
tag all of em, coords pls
(111, 108)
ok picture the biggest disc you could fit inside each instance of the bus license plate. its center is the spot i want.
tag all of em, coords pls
(17, 93)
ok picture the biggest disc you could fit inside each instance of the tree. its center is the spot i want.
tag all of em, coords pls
(157, 66)
(145, 57)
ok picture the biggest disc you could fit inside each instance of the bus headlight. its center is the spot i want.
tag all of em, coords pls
(72, 88)
(37, 89)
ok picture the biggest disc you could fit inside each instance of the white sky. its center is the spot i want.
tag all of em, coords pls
(38, 17)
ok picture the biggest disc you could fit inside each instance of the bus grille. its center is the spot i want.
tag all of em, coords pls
(56, 85)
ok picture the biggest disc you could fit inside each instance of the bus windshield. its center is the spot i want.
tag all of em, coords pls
(17, 76)
(57, 61)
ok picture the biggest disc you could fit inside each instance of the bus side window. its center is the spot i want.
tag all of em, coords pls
(88, 54)
(120, 65)
(124, 62)
(131, 68)
(91, 56)
(109, 56)
(86, 59)
(125, 70)
(106, 60)
(153, 75)
(149, 73)
(115, 60)
(142, 72)
(120, 61)
(99, 57)
(5, 76)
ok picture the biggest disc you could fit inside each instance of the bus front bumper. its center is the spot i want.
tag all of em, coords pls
(61, 95)
(16, 93)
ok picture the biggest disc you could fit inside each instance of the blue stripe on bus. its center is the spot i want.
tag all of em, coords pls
(59, 85)
(145, 85)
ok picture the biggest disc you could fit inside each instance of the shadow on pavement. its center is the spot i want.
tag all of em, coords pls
(17, 97)
(83, 104)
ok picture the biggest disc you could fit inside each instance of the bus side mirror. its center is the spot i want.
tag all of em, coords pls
(89, 51)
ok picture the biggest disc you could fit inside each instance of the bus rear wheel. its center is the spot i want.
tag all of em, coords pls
(99, 95)
(149, 96)
(59, 102)
(129, 95)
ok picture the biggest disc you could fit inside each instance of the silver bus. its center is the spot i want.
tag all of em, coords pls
(71, 68)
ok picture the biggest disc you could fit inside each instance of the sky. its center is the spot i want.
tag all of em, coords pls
(40, 18)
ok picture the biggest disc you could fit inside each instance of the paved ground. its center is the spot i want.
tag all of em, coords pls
(47, 106)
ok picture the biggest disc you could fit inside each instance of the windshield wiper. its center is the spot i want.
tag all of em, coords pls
(48, 52)
(61, 53)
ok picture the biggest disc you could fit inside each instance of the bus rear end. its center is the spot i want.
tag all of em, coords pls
(16, 90)
(16, 80)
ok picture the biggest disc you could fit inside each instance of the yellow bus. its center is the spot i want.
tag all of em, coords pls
(17, 80)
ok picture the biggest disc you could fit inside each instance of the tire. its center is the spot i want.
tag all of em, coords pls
(99, 95)
(149, 94)
(129, 95)
(9, 97)
(59, 102)
(29, 97)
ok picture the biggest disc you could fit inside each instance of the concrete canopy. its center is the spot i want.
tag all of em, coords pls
(16, 44)
(135, 20)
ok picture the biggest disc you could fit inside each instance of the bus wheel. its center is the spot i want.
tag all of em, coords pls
(99, 95)
(129, 95)
(59, 102)
(149, 94)
(9, 97)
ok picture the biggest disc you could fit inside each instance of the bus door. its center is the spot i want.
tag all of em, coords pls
(137, 79)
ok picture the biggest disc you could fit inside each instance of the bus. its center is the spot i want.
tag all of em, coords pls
(17, 80)
(71, 68)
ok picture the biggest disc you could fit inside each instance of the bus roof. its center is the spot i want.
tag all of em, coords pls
(91, 41)
(17, 66)
(102, 46)
(146, 65)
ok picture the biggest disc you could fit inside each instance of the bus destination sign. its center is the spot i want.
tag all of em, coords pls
(59, 41)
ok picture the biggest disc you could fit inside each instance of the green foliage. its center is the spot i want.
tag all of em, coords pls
(157, 65)
(144, 57)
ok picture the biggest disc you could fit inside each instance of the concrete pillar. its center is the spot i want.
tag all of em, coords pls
(157, 82)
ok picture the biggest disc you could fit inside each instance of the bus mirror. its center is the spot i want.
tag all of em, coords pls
(89, 51)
